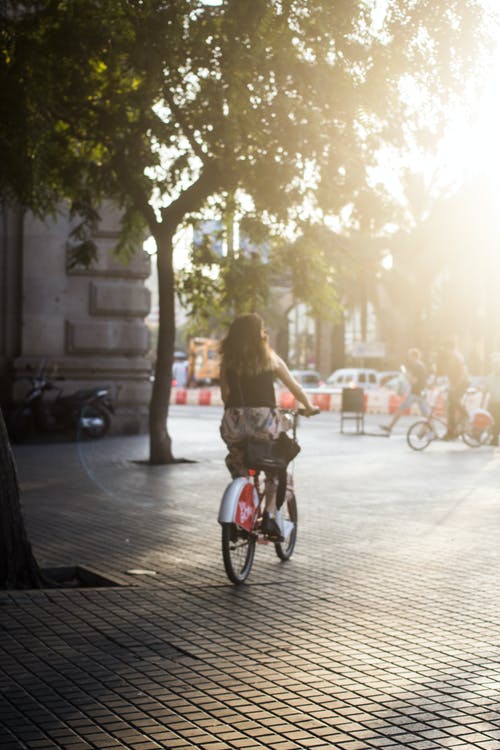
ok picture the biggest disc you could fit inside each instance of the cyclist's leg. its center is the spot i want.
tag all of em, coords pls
(424, 407)
(272, 485)
(271, 489)
(270, 526)
(405, 404)
(461, 410)
(290, 491)
(451, 413)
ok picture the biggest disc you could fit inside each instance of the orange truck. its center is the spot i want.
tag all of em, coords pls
(204, 368)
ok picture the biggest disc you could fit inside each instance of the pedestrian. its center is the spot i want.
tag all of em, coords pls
(492, 392)
(416, 374)
(247, 372)
(179, 372)
(452, 364)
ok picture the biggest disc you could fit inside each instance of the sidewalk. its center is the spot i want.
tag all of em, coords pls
(383, 631)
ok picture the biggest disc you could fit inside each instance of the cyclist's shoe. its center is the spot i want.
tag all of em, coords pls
(385, 428)
(270, 528)
(449, 436)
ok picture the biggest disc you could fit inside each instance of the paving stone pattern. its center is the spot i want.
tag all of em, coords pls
(382, 631)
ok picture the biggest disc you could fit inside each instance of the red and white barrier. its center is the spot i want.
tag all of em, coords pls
(377, 400)
(196, 396)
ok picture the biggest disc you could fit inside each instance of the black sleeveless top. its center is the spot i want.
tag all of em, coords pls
(250, 390)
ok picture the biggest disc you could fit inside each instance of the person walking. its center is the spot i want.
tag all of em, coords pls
(247, 371)
(179, 372)
(492, 393)
(452, 364)
(416, 374)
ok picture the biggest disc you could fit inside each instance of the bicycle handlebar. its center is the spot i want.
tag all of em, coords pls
(300, 412)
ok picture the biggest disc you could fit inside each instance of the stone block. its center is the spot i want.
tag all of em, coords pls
(133, 392)
(124, 299)
(43, 337)
(110, 337)
(107, 264)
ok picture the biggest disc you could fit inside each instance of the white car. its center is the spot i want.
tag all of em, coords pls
(352, 377)
(388, 376)
(307, 378)
(399, 384)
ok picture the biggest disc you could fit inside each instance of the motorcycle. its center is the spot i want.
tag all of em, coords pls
(85, 413)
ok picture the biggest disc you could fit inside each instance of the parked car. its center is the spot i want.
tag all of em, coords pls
(386, 376)
(397, 383)
(352, 377)
(307, 378)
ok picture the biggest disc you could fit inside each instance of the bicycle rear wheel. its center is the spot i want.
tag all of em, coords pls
(474, 437)
(420, 434)
(289, 519)
(238, 550)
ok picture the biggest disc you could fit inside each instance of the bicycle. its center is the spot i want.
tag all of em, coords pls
(240, 515)
(474, 424)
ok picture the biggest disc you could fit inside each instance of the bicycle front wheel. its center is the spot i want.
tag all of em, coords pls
(238, 550)
(439, 427)
(420, 434)
(289, 519)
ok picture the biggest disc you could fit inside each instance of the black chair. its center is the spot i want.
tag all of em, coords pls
(353, 408)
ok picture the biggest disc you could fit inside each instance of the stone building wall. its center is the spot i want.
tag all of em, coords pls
(87, 324)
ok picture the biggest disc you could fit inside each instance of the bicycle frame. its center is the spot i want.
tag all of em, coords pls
(240, 516)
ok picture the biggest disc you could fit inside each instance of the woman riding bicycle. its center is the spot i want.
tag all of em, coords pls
(248, 369)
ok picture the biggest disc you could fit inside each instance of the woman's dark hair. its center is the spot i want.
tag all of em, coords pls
(245, 349)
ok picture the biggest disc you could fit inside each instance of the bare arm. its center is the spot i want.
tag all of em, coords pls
(295, 389)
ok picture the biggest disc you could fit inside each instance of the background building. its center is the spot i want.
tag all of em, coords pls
(86, 325)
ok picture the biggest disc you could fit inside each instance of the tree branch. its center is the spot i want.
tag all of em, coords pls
(178, 114)
(193, 197)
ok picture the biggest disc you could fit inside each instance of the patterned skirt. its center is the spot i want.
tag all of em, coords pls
(240, 423)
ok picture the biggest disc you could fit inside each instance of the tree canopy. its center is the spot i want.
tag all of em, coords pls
(171, 107)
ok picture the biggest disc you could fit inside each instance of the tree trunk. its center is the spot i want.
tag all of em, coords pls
(363, 309)
(160, 451)
(18, 567)
(338, 345)
(160, 440)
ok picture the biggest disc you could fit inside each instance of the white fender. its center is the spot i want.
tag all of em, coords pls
(229, 502)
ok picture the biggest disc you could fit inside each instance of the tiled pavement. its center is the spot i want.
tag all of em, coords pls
(383, 631)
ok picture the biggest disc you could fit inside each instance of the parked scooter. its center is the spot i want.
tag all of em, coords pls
(84, 413)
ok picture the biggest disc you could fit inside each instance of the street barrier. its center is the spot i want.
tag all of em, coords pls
(376, 400)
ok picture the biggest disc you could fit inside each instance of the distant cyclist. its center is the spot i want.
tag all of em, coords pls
(452, 364)
(248, 369)
(492, 392)
(416, 375)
